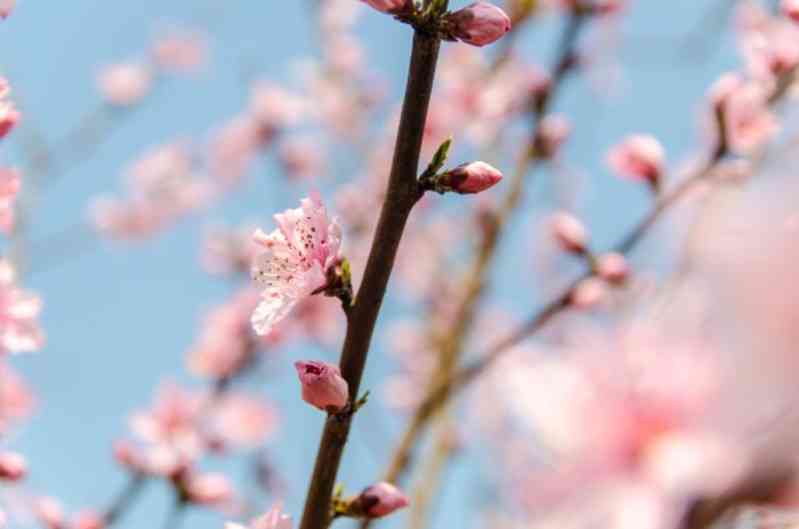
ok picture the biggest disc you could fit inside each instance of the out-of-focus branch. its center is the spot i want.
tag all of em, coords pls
(402, 194)
(475, 282)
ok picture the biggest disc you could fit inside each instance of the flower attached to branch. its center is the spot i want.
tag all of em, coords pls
(466, 179)
(300, 258)
(323, 386)
(376, 501)
(639, 157)
(479, 24)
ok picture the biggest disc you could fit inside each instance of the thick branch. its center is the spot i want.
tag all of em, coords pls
(402, 193)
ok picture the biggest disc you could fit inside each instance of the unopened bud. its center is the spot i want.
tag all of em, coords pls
(322, 385)
(470, 178)
(570, 233)
(479, 24)
(639, 157)
(12, 466)
(612, 267)
(381, 500)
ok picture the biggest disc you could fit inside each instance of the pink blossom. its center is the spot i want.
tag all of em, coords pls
(791, 9)
(275, 107)
(588, 293)
(180, 50)
(480, 23)
(125, 84)
(171, 427)
(9, 117)
(322, 385)
(640, 157)
(50, 513)
(228, 251)
(612, 267)
(6, 6)
(88, 519)
(553, 131)
(569, 232)
(16, 399)
(301, 157)
(382, 499)
(295, 261)
(274, 519)
(226, 344)
(211, 489)
(473, 177)
(243, 420)
(234, 146)
(9, 187)
(19, 315)
(13, 466)
(749, 122)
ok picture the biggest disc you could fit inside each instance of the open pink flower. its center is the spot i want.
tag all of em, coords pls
(274, 519)
(322, 385)
(295, 260)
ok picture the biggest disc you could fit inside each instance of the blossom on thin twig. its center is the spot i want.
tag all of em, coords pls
(296, 260)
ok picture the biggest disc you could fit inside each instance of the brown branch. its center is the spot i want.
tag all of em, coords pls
(402, 194)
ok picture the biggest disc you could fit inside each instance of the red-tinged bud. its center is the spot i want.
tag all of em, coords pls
(479, 24)
(381, 500)
(322, 385)
(470, 178)
(89, 520)
(6, 7)
(12, 466)
(9, 117)
(570, 233)
(790, 9)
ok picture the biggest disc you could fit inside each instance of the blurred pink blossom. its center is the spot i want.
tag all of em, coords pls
(125, 84)
(19, 315)
(570, 233)
(9, 187)
(640, 157)
(6, 7)
(13, 466)
(180, 50)
(243, 420)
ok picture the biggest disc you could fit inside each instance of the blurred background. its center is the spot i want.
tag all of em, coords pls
(120, 315)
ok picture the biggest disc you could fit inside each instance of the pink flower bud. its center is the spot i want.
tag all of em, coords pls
(381, 499)
(209, 489)
(569, 232)
(49, 513)
(588, 293)
(480, 23)
(471, 178)
(791, 9)
(612, 267)
(12, 466)
(552, 133)
(322, 385)
(389, 6)
(9, 117)
(6, 6)
(639, 157)
(88, 520)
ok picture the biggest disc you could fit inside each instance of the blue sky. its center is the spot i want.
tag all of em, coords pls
(119, 317)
